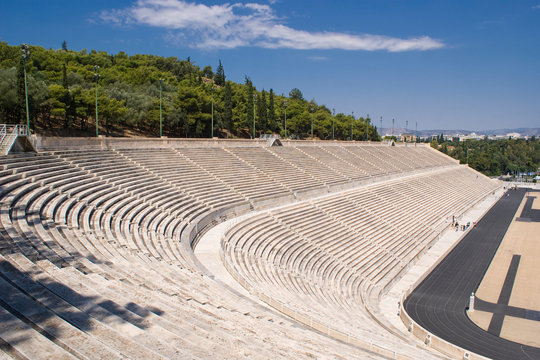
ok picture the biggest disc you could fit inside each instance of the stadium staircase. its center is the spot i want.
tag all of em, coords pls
(8, 136)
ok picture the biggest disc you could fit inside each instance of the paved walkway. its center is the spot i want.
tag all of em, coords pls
(207, 251)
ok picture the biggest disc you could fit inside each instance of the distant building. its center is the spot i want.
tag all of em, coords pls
(471, 136)
(513, 135)
(407, 137)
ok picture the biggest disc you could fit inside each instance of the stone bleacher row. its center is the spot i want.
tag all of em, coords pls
(96, 247)
(330, 258)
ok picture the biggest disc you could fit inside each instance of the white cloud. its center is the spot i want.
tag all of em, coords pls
(249, 24)
(536, 7)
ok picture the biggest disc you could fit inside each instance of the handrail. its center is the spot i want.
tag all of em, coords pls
(9, 134)
(2, 132)
(20, 129)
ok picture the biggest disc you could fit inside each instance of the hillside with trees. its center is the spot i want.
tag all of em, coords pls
(62, 99)
(494, 157)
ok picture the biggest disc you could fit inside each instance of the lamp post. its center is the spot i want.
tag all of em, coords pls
(160, 108)
(406, 131)
(285, 105)
(392, 127)
(212, 125)
(96, 77)
(254, 98)
(333, 121)
(381, 128)
(25, 49)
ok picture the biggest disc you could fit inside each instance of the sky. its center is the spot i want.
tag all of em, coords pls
(440, 64)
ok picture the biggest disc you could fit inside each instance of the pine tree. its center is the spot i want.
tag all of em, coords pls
(249, 105)
(220, 75)
(64, 45)
(272, 123)
(21, 99)
(228, 106)
(262, 112)
(64, 76)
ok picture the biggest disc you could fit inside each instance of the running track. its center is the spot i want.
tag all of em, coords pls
(438, 304)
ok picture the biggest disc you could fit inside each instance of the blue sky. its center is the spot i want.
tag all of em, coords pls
(444, 63)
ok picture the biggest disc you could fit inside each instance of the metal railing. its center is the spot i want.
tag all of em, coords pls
(2, 132)
(9, 134)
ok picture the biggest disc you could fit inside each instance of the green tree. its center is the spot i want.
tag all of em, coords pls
(9, 100)
(110, 111)
(21, 100)
(272, 120)
(228, 108)
(296, 94)
(262, 112)
(249, 104)
(207, 72)
(220, 75)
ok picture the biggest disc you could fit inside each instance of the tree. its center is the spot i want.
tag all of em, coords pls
(61, 94)
(207, 72)
(58, 104)
(64, 76)
(21, 100)
(220, 75)
(110, 110)
(228, 108)
(272, 120)
(296, 94)
(249, 104)
(262, 112)
(64, 45)
(9, 101)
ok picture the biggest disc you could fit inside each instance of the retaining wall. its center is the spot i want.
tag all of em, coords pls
(94, 143)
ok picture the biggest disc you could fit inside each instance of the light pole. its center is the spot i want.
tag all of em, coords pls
(406, 131)
(25, 48)
(285, 105)
(96, 77)
(381, 128)
(160, 108)
(333, 121)
(393, 127)
(212, 125)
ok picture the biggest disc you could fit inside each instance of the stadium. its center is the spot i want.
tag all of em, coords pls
(169, 248)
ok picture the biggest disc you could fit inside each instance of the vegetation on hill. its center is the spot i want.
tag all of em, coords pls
(494, 157)
(62, 98)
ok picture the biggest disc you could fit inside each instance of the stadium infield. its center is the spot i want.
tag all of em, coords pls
(440, 302)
